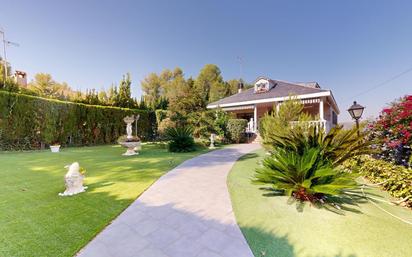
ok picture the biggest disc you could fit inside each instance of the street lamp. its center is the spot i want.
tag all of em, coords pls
(356, 111)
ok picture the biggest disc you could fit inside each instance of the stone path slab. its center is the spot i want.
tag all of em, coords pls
(186, 213)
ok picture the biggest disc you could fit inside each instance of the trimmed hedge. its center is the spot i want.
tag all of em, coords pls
(396, 179)
(236, 130)
(30, 122)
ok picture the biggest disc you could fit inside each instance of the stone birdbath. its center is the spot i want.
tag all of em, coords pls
(132, 143)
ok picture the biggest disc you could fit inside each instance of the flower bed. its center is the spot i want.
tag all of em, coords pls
(394, 130)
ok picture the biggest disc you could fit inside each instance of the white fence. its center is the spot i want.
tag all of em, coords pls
(319, 124)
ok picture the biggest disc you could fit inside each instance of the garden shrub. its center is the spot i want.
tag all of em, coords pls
(161, 115)
(394, 129)
(306, 176)
(337, 146)
(396, 179)
(279, 122)
(29, 122)
(236, 130)
(181, 139)
(163, 125)
(207, 122)
(305, 163)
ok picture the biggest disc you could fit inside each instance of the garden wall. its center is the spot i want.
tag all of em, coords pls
(29, 122)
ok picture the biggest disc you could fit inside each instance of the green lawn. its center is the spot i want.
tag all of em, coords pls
(273, 227)
(35, 221)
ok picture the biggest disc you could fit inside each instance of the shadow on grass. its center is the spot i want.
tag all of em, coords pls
(268, 244)
(337, 204)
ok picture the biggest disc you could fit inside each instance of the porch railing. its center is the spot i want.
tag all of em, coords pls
(319, 124)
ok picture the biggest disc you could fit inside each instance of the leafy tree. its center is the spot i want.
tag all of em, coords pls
(3, 73)
(91, 97)
(152, 89)
(103, 98)
(203, 123)
(142, 104)
(181, 96)
(232, 87)
(44, 85)
(161, 104)
(209, 85)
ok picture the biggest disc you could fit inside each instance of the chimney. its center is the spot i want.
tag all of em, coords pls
(240, 87)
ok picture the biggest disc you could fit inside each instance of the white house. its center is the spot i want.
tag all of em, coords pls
(253, 103)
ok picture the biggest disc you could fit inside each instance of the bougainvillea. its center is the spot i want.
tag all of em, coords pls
(394, 129)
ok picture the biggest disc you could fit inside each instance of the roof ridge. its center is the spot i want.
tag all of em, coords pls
(296, 83)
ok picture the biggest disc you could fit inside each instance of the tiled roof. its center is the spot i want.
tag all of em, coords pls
(281, 89)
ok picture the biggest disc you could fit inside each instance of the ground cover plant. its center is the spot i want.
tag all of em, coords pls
(35, 221)
(396, 179)
(273, 227)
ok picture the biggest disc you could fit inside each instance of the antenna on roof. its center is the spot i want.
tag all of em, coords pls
(5, 43)
(240, 85)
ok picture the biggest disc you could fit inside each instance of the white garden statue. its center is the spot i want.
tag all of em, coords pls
(212, 141)
(73, 180)
(131, 143)
(129, 120)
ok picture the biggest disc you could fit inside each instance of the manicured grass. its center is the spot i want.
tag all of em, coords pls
(35, 221)
(273, 227)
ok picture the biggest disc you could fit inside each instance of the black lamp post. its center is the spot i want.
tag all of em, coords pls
(356, 111)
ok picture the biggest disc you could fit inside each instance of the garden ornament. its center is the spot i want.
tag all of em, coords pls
(73, 180)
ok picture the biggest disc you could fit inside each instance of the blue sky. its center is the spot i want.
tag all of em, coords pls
(346, 46)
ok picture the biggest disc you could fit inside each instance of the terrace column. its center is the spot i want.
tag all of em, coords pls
(255, 118)
(321, 115)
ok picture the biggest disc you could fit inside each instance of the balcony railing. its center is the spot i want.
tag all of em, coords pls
(319, 124)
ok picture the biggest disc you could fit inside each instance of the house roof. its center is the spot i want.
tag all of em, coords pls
(281, 89)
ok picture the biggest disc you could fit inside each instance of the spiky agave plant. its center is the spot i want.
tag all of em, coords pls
(181, 139)
(306, 176)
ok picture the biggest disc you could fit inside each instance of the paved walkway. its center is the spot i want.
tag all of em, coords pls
(187, 212)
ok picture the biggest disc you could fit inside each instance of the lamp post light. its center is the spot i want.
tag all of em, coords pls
(356, 111)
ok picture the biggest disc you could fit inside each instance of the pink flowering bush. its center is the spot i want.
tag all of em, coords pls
(393, 128)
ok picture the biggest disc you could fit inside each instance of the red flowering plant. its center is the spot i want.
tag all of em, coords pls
(393, 128)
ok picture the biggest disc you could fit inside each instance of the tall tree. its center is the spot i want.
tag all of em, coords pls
(125, 95)
(232, 87)
(113, 95)
(2, 71)
(152, 89)
(209, 84)
(103, 99)
(44, 85)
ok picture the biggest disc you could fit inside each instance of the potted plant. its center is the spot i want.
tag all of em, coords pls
(55, 147)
